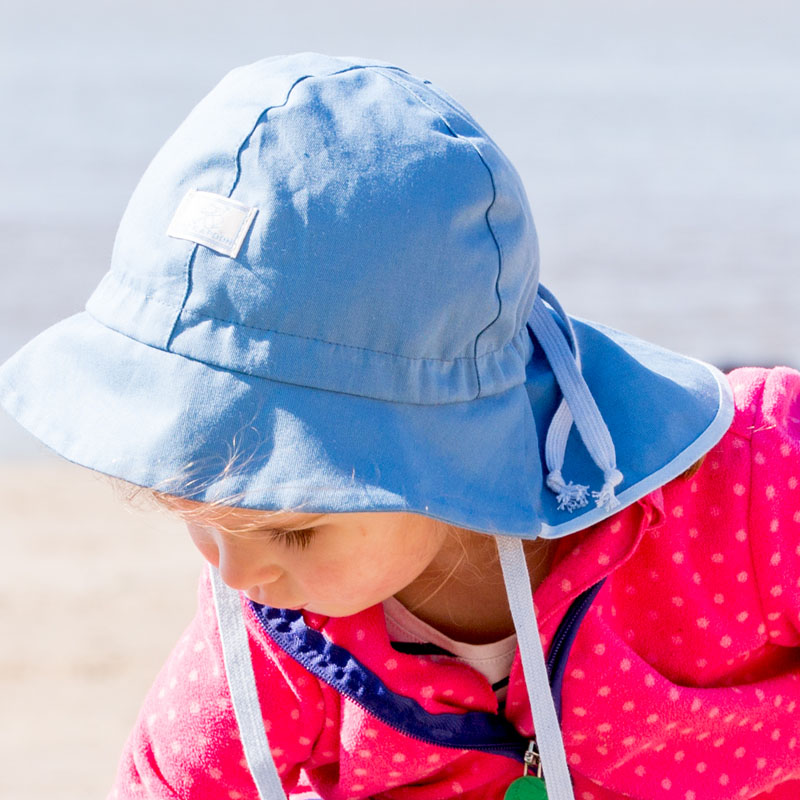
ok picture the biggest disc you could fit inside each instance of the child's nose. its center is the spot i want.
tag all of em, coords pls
(239, 572)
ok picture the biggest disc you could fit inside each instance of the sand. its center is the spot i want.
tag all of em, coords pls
(93, 596)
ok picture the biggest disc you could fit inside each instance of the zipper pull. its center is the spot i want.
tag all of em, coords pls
(529, 787)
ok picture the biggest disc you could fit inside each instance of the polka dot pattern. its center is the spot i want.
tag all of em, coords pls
(674, 689)
(720, 591)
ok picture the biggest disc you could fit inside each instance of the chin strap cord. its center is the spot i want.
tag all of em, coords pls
(577, 405)
(545, 720)
(244, 695)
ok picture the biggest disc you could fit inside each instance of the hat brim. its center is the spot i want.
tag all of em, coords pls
(161, 420)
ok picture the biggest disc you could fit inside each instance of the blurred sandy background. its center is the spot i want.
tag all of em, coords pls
(93, 596)
(660, 145)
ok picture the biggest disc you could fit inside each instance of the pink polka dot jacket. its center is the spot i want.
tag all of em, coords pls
(683, 680)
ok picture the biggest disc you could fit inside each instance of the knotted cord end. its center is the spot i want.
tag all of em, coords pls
(570, 496)
(606, 498)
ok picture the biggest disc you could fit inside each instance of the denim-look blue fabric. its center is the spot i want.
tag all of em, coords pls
(367, 349)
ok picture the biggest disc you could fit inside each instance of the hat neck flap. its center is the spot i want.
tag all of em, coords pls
(642, 415)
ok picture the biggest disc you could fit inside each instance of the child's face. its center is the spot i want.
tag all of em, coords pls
(331, 564)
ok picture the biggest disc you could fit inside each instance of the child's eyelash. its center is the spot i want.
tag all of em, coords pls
(299, 539)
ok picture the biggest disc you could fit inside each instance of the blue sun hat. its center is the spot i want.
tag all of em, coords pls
(324, 294)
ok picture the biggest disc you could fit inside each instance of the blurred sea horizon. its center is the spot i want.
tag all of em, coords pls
(659, 145)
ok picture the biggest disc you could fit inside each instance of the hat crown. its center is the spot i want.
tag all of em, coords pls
(390, 251)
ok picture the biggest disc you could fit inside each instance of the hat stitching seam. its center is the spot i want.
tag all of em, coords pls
(499, 270)
(187, 268)
(188, 281)
(198, 315)
(486, 217)
(261, 375)
(122, 277)
(264, 112)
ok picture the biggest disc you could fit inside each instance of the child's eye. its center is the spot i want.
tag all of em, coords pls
(299, 539)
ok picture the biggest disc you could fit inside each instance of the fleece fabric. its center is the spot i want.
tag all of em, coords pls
(683, 682)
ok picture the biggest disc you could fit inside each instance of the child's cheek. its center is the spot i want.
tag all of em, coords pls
(204, 543)
(344, 585)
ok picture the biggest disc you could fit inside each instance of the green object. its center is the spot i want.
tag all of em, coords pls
(528, 787)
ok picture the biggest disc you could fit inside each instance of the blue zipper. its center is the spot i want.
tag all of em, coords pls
(473, 730)
(563, 639)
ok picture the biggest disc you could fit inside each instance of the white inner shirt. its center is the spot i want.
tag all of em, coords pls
(492, 660)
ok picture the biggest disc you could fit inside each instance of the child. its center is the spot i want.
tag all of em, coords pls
(324, 342)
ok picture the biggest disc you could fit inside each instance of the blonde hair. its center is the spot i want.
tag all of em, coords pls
(208, 513)
(693, 470)
(205, 512)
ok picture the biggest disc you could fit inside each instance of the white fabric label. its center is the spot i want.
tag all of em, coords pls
(212, 220)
